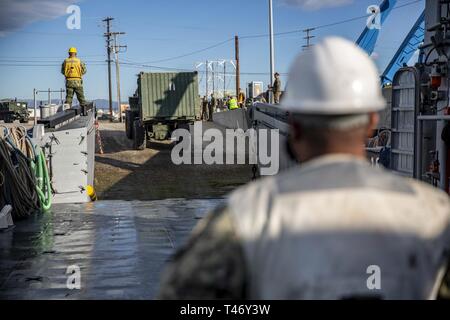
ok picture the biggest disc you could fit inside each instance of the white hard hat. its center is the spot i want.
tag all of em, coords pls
(334, 77)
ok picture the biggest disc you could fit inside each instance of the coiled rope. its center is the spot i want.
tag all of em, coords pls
(24, 182)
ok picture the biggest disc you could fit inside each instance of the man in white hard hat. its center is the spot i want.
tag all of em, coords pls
(333, 227)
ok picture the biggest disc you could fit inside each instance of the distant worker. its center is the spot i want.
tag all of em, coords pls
(221, 104)
(333, 227)
(204, 108)
(74, 69)
(276, 88)
(266, 94)
(241, 98)
(233, 103)
(212, 107)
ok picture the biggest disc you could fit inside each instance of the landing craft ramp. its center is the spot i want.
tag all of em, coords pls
(261, 117)
(68, 139)
(120, 248)
(270, 117)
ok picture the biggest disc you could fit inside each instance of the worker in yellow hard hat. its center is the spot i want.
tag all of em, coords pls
(74, 69)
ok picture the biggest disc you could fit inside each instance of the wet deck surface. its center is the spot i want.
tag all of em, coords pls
(120, 247)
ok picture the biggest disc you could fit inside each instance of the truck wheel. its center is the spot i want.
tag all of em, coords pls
(186, 126)
(128, 124)
(8, 119)
(23, 120)
(139, 135)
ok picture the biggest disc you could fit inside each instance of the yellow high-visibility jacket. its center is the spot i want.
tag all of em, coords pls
(73, 68)
(232, 104)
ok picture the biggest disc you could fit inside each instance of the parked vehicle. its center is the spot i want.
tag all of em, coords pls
(162, 103)
(11, 110)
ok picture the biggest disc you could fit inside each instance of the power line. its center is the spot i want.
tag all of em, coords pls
(45, 61)
(48, 57)
(133, 65)
(241, 37)
(307, 30)
(191, 53)
(137, 66)
(2, 64)
(326, 25)
(65, 34)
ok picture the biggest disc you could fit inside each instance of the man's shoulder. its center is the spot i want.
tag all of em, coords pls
(72, 59)
(420, 189)
(253, 196)
(433, 195)
(255, 188)
(334, 176)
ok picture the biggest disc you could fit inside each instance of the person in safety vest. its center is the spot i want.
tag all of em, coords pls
(241, 98)
(233, 103)
(332, 227)
(73, 69)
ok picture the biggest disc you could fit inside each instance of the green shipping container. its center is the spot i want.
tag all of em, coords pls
(168, 96)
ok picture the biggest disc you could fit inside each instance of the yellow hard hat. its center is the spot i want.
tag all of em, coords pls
(73, 50)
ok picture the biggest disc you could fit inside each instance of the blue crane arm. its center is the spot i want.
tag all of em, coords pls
(369, 37)
(406, 50)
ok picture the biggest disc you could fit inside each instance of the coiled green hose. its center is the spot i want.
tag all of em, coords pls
(43, 187)
(26, 184)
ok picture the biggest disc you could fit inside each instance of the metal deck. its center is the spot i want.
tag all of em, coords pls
(120, 247)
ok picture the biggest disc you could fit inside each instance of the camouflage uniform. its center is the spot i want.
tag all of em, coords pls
(205, 111)
(214, 265)
(210, 266)
(277, 90)
(212, 108)
(75, 86)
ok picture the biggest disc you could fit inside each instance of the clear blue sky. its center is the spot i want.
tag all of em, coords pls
(31, 51)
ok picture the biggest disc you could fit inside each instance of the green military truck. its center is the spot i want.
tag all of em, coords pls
(11, 110)
(162, 103)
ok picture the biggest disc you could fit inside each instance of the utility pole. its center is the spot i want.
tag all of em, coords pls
(308, 38)
(35, 106)
(238, 68)
(107, 35)
(207, 78)
(213, 79)
(116, 53)
(224, 78)
(272, 53)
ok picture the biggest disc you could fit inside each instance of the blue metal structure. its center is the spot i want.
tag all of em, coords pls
(369, 37)
(407, 49)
